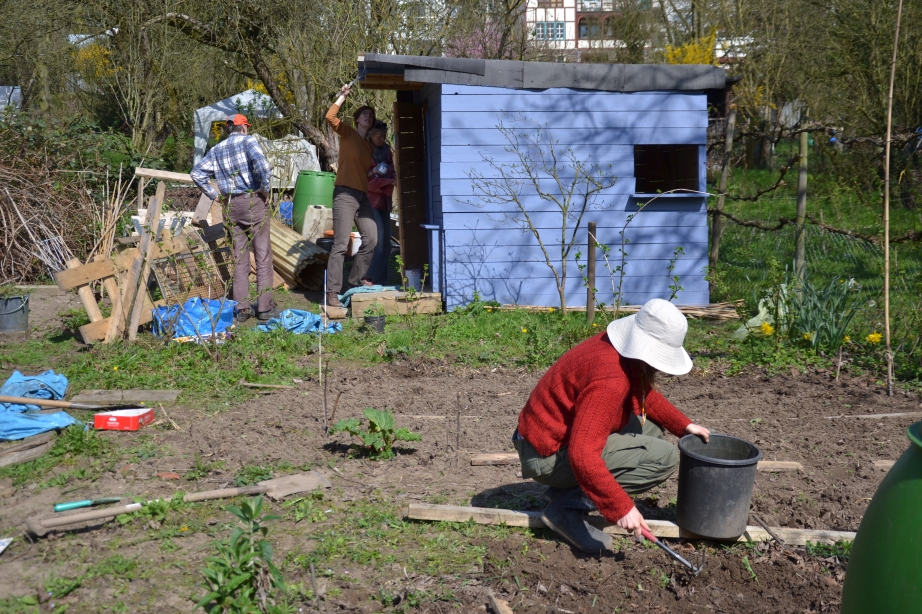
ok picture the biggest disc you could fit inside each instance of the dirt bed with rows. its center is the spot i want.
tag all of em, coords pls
(797, 417)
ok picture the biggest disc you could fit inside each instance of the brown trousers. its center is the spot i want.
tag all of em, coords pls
(350, 206)
(250, 230)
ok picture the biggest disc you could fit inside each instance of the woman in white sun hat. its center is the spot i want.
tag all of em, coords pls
(592, 429)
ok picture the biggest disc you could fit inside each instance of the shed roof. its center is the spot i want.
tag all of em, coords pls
(410, 72)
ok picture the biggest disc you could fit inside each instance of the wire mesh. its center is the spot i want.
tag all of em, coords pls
(198, 274)
(745, 252)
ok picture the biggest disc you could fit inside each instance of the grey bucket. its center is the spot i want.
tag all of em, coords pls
(14, 314)
(715, 485)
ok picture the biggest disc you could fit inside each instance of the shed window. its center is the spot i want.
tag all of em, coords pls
(661, 168)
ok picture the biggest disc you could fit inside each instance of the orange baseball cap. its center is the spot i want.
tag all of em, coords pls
(238, 120)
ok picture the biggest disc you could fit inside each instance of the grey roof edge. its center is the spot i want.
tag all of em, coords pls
(546, 75)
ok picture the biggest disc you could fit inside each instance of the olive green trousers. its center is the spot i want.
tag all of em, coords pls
(637, 456)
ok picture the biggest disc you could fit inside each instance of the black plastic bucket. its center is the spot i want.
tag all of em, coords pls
(715, 485)
(14, 314)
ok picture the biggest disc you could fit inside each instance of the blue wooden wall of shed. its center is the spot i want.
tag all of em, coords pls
(486, 249)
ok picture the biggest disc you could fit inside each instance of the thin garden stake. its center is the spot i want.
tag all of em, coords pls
(896, 41)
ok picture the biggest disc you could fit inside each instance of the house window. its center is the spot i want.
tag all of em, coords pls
(590, 27)
(661, 168)
(550, 30)
(550, 4)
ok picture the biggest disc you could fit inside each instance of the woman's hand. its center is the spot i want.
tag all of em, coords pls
(633, 522)
(345, 90)
(700, 431)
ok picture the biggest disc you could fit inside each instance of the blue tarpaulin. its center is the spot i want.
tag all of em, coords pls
(346, 298)
(196, 319)
(299, 322)
(18, 421)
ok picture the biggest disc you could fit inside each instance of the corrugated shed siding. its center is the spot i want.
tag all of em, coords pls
(489, 250)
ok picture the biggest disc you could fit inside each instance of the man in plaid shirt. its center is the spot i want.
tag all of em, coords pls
(242, 172)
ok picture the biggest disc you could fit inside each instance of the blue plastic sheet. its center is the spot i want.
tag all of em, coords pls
(346, 298)
(16, 421)
(197, 319)
(300, 322)
(286, 211)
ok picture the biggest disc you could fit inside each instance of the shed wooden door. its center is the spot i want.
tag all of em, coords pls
(410, 163)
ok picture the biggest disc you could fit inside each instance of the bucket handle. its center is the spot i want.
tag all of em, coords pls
(21, 306)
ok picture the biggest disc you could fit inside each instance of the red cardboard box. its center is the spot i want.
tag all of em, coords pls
(124, 419)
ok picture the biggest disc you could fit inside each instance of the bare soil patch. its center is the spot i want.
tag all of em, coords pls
(786, 416)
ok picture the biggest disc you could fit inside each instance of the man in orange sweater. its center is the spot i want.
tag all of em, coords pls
(592, 427)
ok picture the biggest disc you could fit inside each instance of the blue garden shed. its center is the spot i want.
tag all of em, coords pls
(465, 129)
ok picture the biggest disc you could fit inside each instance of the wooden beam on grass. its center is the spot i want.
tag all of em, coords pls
(512, 458)
(133, 395)
(25, 455)
(661, 528)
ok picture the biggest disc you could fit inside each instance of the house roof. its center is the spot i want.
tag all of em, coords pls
(409, 72)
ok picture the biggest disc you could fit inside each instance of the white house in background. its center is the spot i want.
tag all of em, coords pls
(10, 96)
(575, 27)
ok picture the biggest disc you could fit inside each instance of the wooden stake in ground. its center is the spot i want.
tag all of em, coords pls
(889, 351)
(146, 251)
(800, 267)
(590, 274)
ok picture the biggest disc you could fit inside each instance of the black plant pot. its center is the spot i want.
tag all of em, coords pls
(376, 322)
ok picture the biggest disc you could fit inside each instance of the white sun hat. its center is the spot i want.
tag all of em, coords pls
(654, 335)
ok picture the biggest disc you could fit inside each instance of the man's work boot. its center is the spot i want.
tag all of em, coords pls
(334, 309)
(566, 516)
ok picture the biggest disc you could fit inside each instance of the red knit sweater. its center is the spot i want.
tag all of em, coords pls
(582, 399)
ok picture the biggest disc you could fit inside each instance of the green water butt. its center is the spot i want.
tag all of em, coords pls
(885, 568)
(312, 188)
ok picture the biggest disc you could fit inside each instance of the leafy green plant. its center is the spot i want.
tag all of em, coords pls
(249, 475)
(307, 508)
(821, 316)
(11, 291)
(841, 549)
(748, 566)
(374, 310)
(201, 469)
(241, 578)
(378, 440)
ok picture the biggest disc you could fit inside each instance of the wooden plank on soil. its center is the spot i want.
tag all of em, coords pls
(779, 466)
(884, 464)
(512, 458)
(28, 443)
(133, 395)
(910, 414)
(660, 528)
(84, 274)
(479, 460)
(499, 606)
(26, 455)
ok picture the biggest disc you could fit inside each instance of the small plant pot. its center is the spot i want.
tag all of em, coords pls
(376, 322)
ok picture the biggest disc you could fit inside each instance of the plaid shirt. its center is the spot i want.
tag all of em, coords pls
(237, 163)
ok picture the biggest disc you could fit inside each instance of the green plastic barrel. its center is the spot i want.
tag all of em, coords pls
(312, 188)
(885, 566)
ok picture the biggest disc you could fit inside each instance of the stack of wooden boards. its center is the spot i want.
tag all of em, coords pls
(124, 276)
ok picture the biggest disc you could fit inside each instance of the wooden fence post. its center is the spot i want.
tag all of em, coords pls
(590, 275)
(717, 221)
(799, 236)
